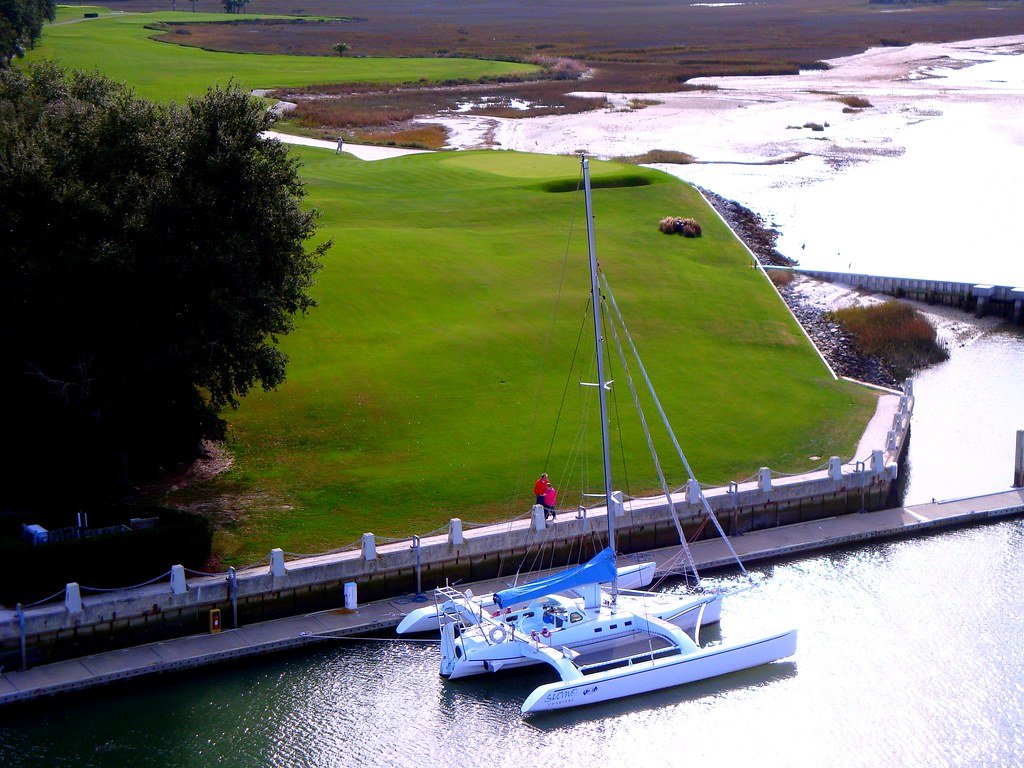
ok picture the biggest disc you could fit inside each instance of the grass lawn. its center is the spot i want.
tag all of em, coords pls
(119, 46)
(427, 382)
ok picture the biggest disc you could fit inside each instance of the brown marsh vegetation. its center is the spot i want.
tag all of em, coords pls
(893, 332)
(654, 47)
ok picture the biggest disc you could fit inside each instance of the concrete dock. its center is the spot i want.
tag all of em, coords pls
(266, 637)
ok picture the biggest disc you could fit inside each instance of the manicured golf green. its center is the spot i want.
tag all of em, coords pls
(427, 382)
(120, 46)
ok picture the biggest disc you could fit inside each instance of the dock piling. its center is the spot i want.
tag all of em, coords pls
(233, 594)
(21, 627)
(419, 572)
(73, 598)
(369, 547)
(1018, 465)
(178, 584)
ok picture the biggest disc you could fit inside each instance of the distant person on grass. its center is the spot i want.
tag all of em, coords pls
(341, 145)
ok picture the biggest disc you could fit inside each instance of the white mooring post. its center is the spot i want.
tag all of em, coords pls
(178, 584)
(369, 547)
(692, 491)
(537, 523)
(73, 598)
(351, 601)
(877, 462)
(277, 562)
(835, 469)
(455, 537)
(1018, 466)
(764, 480)
(618, 508)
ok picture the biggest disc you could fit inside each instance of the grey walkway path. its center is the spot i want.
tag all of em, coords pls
(199, 650)
(362, 151)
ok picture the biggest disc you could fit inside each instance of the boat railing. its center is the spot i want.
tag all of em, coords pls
(453, 607)
(622, 661)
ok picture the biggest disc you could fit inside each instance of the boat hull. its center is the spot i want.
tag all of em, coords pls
(477, 658)
(645, 676)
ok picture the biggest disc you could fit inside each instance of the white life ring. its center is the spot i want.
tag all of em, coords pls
(497, 634)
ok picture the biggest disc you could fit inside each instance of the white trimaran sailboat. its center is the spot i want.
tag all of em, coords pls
(558, 618)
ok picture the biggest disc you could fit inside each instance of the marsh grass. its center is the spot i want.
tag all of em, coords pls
(894, 332)
(377, 110)
(658, 156)
(636, 103)
(419, 136)
(854, 102)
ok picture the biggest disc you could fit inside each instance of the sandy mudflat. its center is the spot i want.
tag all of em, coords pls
(924, 183)
(752, 119)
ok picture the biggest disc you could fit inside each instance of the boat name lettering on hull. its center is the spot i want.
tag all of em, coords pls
(560, 697)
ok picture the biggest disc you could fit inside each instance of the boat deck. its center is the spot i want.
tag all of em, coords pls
(200, 650)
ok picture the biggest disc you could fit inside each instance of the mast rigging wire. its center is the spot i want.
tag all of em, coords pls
(671, 432)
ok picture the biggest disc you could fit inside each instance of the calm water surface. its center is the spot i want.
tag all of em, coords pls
(966, 416)
(910, 654)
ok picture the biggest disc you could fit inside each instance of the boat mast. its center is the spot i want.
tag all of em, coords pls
(595, 296)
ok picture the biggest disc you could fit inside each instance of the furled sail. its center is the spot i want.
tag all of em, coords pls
(598, 570)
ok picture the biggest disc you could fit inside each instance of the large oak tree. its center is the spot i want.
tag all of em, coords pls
(150, 257)
(21, 24)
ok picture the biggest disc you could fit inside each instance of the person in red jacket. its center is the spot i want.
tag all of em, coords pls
(540, 488)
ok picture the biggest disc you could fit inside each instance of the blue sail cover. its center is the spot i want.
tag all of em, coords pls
(599, 569)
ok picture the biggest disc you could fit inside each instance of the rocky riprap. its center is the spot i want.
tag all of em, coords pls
(751, 229)
(836, 344)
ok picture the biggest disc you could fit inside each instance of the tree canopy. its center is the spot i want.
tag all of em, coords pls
(21, 24)
(150, 257)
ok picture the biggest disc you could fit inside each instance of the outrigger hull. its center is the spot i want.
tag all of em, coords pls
(644, 676)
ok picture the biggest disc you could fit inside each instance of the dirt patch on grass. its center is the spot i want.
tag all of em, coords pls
(214, 459)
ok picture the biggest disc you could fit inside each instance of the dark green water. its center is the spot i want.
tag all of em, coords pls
(911, 653)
